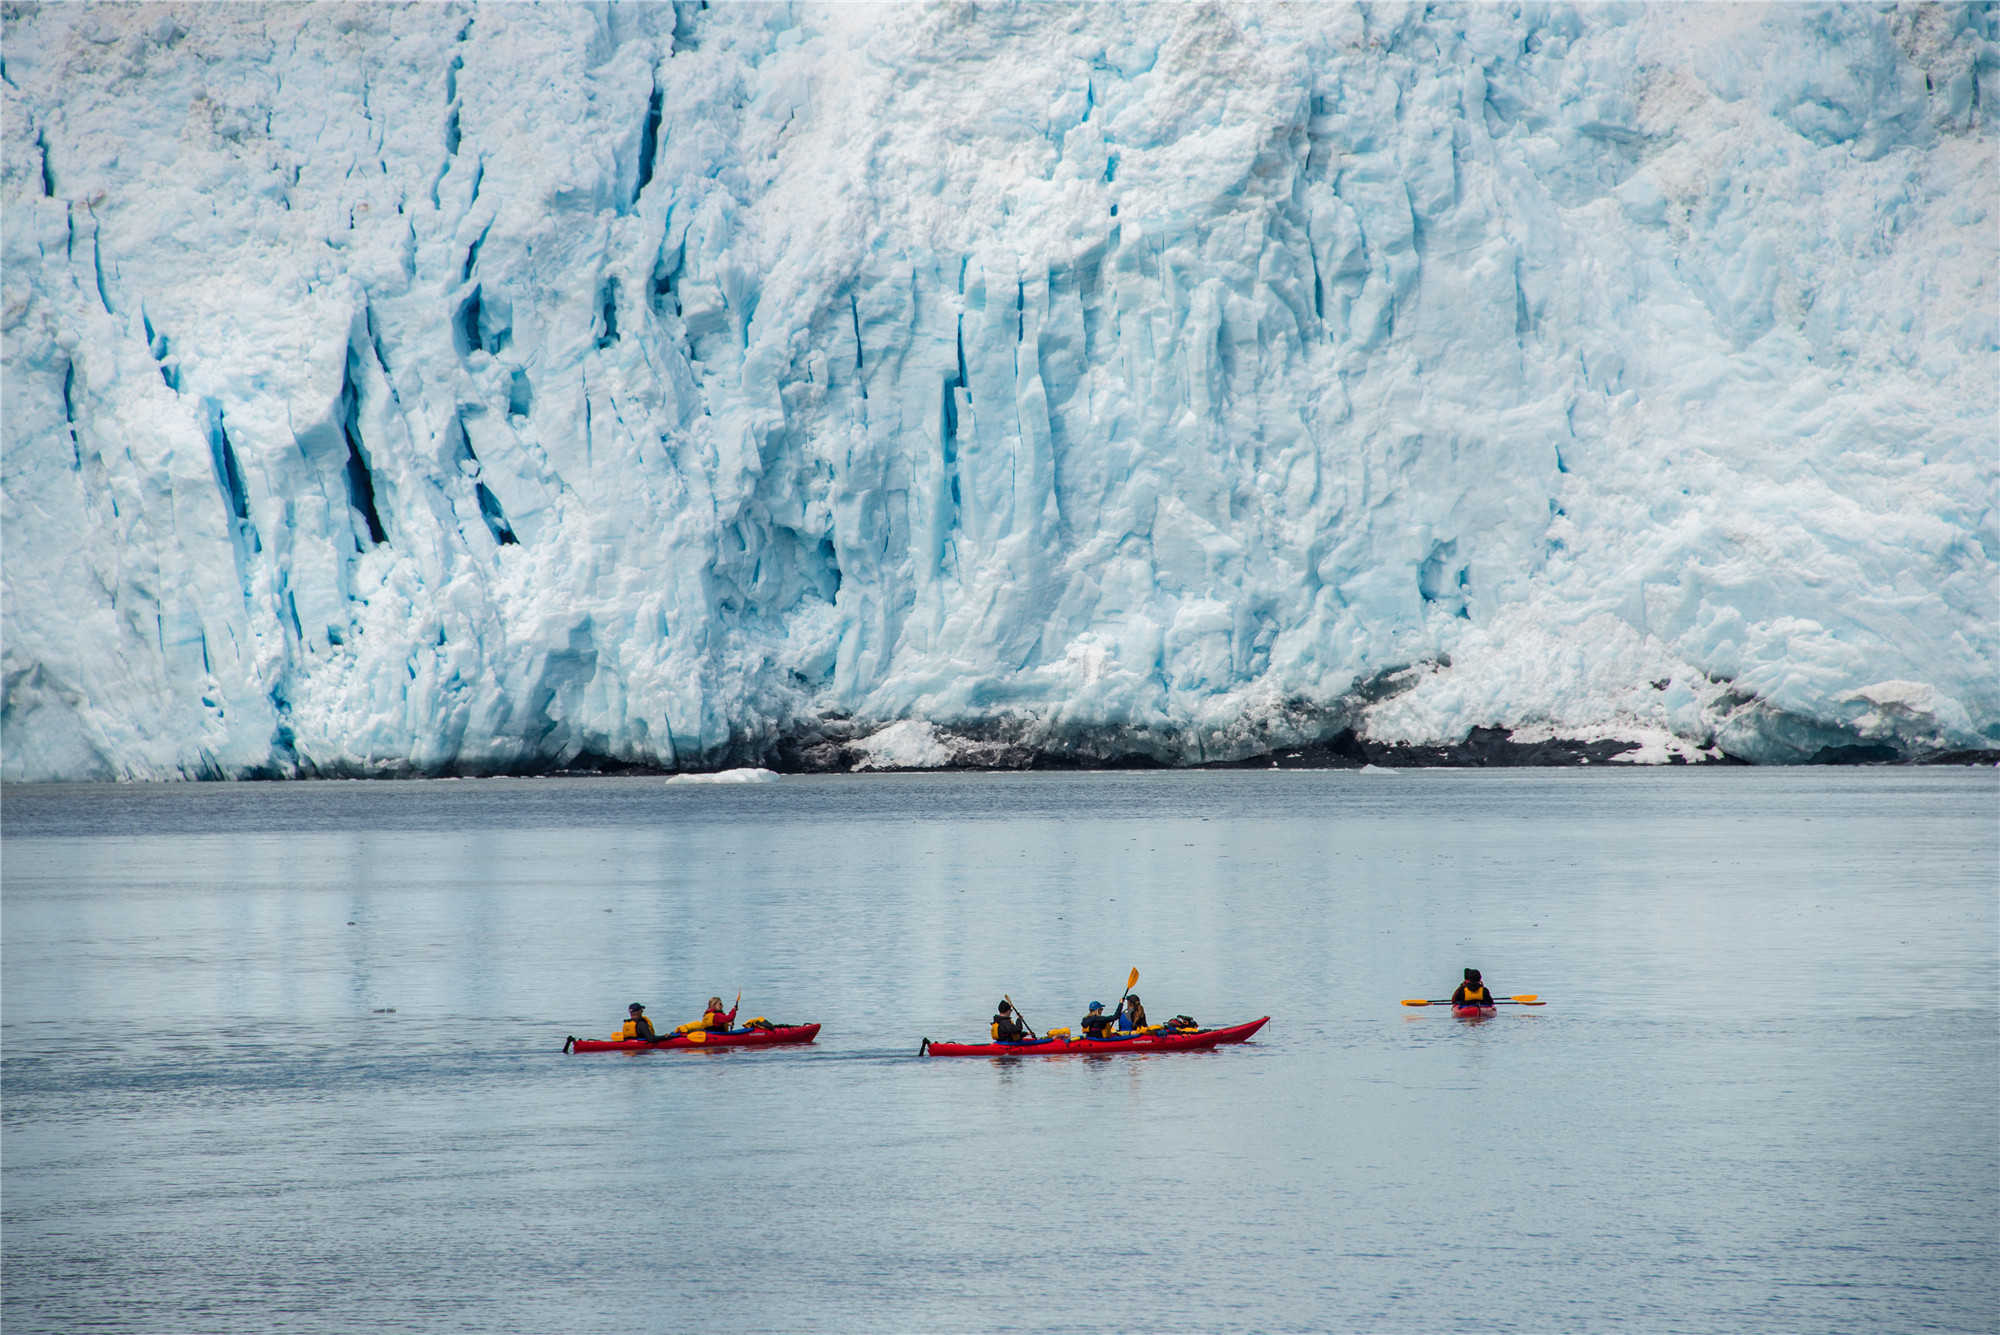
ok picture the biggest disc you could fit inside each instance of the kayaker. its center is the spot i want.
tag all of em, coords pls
(1472, 992)
(637, 1026)
(1096, 1024)
(714, 1020)
(1131, 1015)
(1007, 1026)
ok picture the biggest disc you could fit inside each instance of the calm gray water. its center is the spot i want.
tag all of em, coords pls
(1762, 1096)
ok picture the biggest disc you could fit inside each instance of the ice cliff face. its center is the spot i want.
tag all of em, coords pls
(457, 388)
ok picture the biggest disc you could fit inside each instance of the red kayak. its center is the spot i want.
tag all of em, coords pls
(732, 1038)
(1190, 1040)
(1474, 1012)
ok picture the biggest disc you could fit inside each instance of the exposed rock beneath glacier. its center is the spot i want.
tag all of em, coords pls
(455, 390)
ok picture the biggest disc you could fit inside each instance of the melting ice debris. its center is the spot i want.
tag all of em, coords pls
(482, 389)
(1378, 769)
(906, 745)
(728, 776)
(1648, 746)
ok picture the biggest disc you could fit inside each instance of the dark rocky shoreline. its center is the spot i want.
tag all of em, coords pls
(1484, 748)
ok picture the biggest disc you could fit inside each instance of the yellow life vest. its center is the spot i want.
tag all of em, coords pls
(1475, 996)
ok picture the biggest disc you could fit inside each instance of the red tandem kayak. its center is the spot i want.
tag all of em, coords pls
(733, 1038)
(1190, 1041)
(1474, 1012)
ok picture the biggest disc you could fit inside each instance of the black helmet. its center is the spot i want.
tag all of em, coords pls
(1472, 975)
(635, 1007)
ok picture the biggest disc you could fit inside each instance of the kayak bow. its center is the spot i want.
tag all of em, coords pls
(1194, 1040)
(732, 1038)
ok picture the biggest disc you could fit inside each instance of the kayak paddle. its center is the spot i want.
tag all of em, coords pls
(1525, 999)
(1129, 984)
(1017, 1015)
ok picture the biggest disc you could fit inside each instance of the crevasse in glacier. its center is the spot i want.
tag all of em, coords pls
(453, 389)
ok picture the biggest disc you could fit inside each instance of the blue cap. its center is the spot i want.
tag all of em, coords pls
(1097, 1005)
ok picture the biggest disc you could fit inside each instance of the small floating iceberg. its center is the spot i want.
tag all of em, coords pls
(728, 776)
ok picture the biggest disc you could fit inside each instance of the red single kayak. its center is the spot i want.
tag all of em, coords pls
(733, 1038)
(1192, 1040)
(1474, 1012)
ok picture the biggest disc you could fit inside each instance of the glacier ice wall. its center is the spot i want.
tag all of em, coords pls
(449, 388)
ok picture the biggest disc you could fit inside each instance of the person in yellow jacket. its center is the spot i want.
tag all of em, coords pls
(1009, 1027)
(1472, 992)
(714, 1020)
(638, 1026)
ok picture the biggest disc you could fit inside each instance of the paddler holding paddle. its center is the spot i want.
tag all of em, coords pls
(1008, 1026)
(714, 1020)
(1130, 1016)
(1472, 992)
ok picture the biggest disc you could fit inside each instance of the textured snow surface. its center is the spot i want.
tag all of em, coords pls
(445, 389)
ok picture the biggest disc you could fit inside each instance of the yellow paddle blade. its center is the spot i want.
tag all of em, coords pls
(698, 1036)
(1526, 998)
(1416, 1003)
(1534, 1003)
(1130, 982)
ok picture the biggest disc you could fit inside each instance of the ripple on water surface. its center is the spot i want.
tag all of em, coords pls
(288, 1057)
